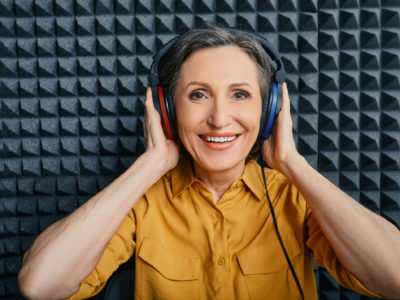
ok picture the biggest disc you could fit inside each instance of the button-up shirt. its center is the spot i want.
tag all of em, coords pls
(188, 247)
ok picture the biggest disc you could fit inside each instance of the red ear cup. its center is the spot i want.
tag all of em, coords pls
(164, 115)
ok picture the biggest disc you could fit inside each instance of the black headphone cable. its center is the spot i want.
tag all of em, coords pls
(277, 230)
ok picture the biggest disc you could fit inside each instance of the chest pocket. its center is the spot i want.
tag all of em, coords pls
(164, 275)
(266, 270)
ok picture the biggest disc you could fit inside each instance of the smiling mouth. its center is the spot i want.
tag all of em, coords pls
(219, 139)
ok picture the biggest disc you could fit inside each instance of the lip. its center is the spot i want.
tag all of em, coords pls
(221, 146)
(220, 134)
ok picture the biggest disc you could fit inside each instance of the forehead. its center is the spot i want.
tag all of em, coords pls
(227, 63)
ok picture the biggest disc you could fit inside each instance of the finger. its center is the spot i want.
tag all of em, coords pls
(148, 102)
(152, 129)
(285, 99)
(149, 96)
(150, 111)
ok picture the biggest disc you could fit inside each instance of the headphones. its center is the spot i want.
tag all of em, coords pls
(271, 104)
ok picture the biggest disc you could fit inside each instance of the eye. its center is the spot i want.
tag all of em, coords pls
(241, 94)
(196, 95)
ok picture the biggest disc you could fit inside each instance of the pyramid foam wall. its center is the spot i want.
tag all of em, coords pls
(73, 79)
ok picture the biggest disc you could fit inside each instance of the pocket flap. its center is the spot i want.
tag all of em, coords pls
(269, 258)
(170, 266)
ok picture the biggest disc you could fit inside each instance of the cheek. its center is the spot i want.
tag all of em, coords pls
(186, 117)
(251, 118)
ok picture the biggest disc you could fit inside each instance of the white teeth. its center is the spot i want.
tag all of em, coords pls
(218, 139)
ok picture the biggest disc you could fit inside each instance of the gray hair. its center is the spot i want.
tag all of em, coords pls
(212, 36)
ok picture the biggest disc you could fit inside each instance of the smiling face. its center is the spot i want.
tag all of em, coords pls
(218, 107)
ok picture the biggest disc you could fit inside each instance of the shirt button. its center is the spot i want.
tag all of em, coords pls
(218, 214)
(221, 261)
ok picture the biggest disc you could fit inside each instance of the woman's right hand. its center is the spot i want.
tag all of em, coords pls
(77, 251)
(164, 150)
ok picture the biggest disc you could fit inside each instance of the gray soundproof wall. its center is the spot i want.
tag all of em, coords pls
(73, 78)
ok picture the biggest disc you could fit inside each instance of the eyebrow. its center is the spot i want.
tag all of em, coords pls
(196, 83)
(206, 85)
(240, 84)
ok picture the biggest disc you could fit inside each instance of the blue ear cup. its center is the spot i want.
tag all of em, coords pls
(274, 107)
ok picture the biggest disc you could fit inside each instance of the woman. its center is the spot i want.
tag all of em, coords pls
(200, 226)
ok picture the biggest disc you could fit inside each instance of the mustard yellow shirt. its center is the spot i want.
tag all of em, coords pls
(188, 247)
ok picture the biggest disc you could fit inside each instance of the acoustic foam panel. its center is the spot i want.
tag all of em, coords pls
(73, 78)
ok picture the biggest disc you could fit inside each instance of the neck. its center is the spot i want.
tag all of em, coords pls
(218, 182)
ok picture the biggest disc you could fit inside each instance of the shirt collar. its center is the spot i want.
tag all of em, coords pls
(252, 177)
(182, 178)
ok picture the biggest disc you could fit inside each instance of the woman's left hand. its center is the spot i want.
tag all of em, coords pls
(279, 149)
(340, 217)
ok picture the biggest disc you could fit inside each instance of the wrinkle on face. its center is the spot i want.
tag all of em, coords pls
(223, 77)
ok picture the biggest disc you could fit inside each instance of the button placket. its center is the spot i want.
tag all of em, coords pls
(221, 260)
(220, 253)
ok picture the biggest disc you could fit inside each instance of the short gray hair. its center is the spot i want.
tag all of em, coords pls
(212, 36)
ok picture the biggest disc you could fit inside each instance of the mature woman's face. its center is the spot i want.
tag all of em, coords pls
(218, 107)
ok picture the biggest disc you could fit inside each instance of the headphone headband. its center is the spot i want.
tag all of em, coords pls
(154, 79)
(279, 75)
(280, 72)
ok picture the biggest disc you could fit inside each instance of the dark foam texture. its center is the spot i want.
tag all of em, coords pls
(73, 79)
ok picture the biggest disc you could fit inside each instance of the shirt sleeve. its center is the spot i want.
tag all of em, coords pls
(118, 250)
(324, 256)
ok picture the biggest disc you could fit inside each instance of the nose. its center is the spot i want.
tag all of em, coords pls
(219, 115)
